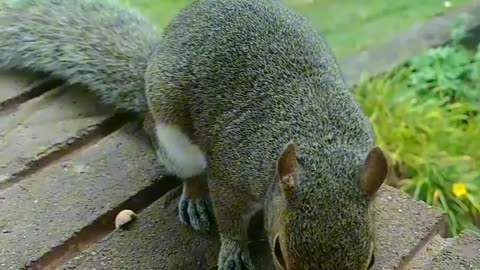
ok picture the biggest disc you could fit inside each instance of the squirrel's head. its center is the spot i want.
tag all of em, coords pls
(318, 213)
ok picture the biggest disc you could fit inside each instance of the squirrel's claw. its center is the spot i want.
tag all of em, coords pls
(195, 213)
(232, 257)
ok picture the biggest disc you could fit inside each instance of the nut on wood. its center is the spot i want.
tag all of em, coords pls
(124, 217)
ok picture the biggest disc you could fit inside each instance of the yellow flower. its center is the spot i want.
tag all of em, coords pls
(459, 189)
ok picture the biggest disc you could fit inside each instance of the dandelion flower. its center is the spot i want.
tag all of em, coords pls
(459, 189)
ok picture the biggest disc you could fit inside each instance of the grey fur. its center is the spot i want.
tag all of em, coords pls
(250, 76)
(96, 43)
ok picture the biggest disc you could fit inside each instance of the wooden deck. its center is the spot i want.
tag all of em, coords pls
(68, 166)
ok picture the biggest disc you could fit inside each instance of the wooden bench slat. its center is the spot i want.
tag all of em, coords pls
(54, 204)
(12, 85)
(462, 254)
(159, 241)
(45, 125)
(404, 226)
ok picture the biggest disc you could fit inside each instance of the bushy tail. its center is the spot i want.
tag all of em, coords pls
(97, 43)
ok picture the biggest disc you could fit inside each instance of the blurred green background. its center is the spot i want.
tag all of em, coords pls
(349, 25)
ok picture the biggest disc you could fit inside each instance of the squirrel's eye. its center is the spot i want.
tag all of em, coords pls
(372, 261)
(278, 255)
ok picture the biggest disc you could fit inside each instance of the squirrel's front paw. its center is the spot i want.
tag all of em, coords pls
(195, 212)
(233, 257)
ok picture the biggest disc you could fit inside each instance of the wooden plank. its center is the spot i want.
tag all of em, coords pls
(61, 208)
(159, 241)
(462, 254)
(13, 84)
(424, 257)
(404, 226)
(48, 126)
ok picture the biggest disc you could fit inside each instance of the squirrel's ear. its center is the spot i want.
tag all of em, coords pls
(374, 171)
(287, 167)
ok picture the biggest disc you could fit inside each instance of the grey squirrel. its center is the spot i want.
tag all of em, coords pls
(245, 94)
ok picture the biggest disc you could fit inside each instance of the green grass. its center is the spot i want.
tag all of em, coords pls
(349, 25)
(426, 117)
(431, 145)
(160, 11)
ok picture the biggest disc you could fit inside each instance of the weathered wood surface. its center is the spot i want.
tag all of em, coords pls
(460, 253)
(68, 166)
(403, 225)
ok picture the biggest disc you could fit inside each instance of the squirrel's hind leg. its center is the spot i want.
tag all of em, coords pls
(171, 127)
(195, 208)
(233, 211)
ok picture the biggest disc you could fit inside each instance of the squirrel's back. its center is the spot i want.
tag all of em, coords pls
(96, 43)
(257, 72)
(255, 76)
